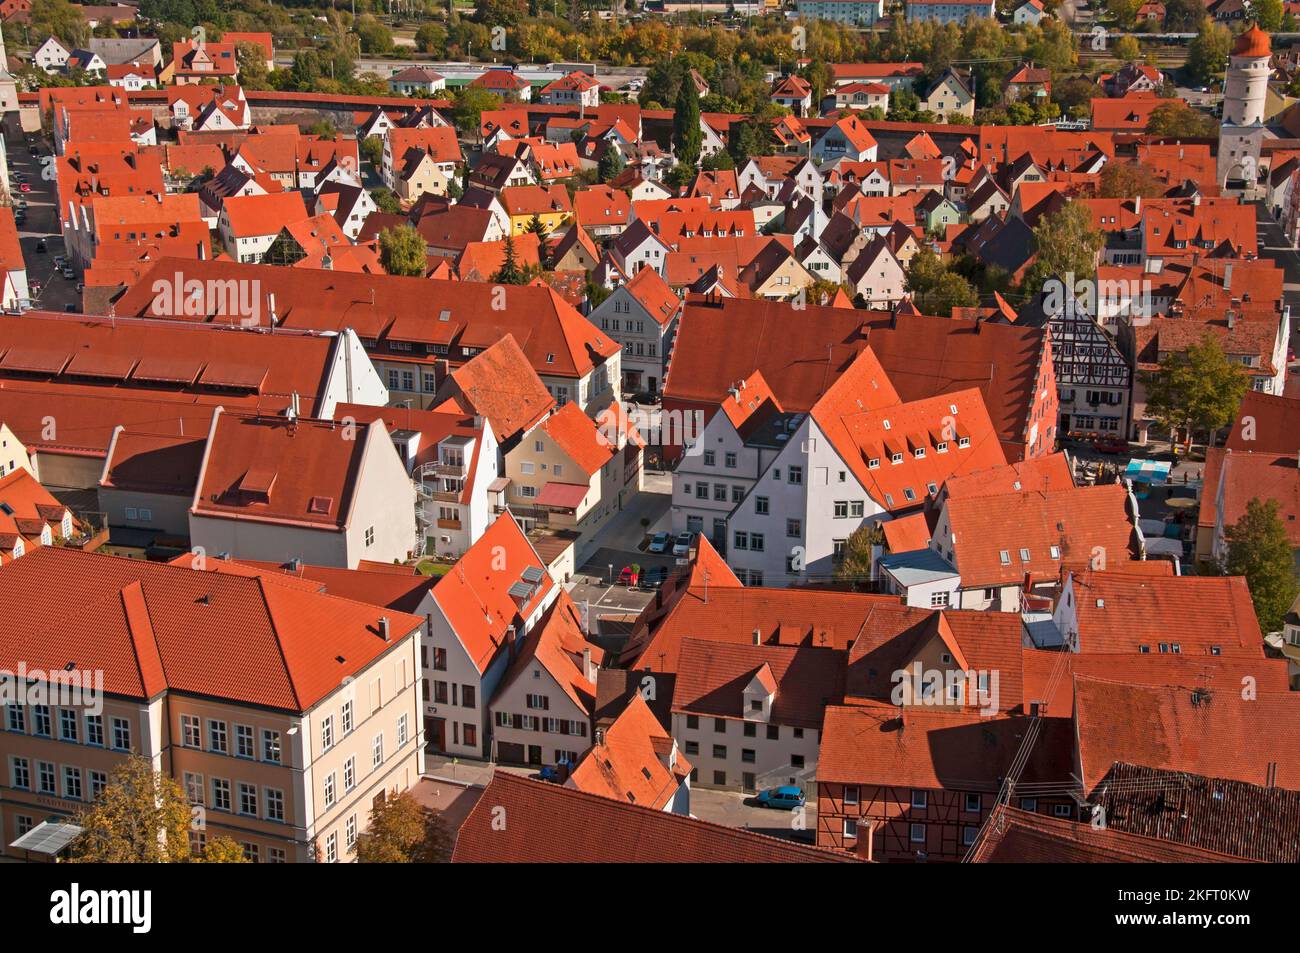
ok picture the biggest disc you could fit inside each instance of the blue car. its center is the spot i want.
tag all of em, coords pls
(785, 798)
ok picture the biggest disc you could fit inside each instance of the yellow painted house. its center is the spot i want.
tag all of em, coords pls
(550, 204)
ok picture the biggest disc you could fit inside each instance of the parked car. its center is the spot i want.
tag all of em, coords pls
(682, 545)
(630, 575)
(654, 577)
(68, 272)
(785, 798)
(24, 187)
(1110, 445)
(660, 543)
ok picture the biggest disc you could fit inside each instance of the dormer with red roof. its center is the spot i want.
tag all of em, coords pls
(282, 487)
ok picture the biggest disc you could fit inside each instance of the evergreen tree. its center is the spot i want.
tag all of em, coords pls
(688, 138)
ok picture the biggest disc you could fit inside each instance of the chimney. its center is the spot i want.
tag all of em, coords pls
(510, 642)
(600, 737)
(383, 629)
(588, 667)
(758, 636)
(1137, 205)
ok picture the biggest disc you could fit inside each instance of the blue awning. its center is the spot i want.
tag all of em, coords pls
(1147, 471)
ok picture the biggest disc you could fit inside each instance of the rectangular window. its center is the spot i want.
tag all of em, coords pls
(67, 724)
(220, 794)
(217, 736)
(327, 733)
(245, 746)
(17, 720)
(350, 773)
(72, 783)
(270, 746)
(191, 732)
(20, 773)
(329, 789)
(347, 717)
(377, 751)
(248, 800)
(121, 734)
(41, 720)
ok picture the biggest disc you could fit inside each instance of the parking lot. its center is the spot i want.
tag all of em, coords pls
(50, 290)
(729, 808)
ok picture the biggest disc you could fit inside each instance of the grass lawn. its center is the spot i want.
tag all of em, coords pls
(429, 567)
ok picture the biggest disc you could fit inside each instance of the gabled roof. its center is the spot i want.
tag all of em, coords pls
(475, 595)
(630, 763)
(712, 678)
(556, 644)
(1051, 472)
(499, 384)
(272, 469)
(553, 824)
(257, 215)
(578, 437)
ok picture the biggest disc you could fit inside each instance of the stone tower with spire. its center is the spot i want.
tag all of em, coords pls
(1242, 131)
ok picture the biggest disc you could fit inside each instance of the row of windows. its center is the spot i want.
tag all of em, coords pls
(219, 741)
(748, 728)
(252, 852)
(553, 726)
(747, 755)
(237, 797)
(70, 726)
(47, 779)
(466, 694)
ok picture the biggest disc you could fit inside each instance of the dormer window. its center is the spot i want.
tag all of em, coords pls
(873, 463)
(919, 452)
(896, 458)
(941, 447)
(963, 442)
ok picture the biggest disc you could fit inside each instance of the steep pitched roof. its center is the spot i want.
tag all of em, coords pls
(499, 384)
(475, 595)
(630, 763)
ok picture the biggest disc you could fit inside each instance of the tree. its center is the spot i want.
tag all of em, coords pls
(1198, 390)
(1176, 119)
(934, 288)
(510, 273)
(375, 37)
(1125, 180)
(1066, 244)
(611, 164)
(401, 831)
(1127, 50)
(469, 104)
(687, 134)
(538, 228)
(854, 564)
(372, 150)
(1207, 54)
(402, 251)
(222, 850)
(140, 817)
(1260, 550)
(251, 59)
(386, 200)
(58, 18)
(1268, 14)
(431, 38)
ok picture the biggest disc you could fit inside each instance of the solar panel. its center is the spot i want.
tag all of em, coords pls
(521, 590)
(534, 574)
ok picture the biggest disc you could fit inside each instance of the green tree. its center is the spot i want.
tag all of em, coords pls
(510, 273)
(375, 37)
(1268, 14)
(251, 60)
(221, 850)
(60, 19)
(687, 134)
(140, 817)
(402, 251)
(1207, 54)
(468, 105)
(386, 200)
(611, 164)
(1260, 549)
(1197, 391)
(934, 288)
(1176, 119)
(401, 831)
(1065, 244)
(372, 150)
(537, 227)
(1127, 50)
(431, 38)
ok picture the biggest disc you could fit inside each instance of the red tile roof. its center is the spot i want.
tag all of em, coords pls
(932, 748)
(712, 677)
(557, 644)
(1119, 612)
(635, 761)
(256, 215)
(552, 824)
(576, 435)
(558, 341)
(1216, 733)
(151, 626)
(1048, 473)
(271, 469)
(499, 385)
(475, 594)
(1079, 523)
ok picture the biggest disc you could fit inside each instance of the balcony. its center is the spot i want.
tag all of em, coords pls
(444, 468)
